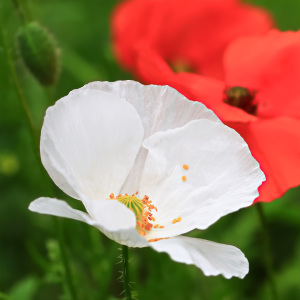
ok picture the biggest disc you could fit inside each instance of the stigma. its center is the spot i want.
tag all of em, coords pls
(143, 210)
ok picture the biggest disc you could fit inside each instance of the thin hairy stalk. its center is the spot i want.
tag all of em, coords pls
(21, 10)
(35, 139)
(20, 92)
(127, 288)
(64, 258)
(267, 250)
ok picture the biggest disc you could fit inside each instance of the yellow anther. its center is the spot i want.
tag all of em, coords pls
(157, 239)
(142, 210)
(176, 220)
(161, 226)
(183, 178)
(185, 167)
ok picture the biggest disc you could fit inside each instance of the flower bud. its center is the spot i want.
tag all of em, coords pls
(39, 53)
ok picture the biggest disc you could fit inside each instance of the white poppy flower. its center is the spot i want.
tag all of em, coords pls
(170, 160)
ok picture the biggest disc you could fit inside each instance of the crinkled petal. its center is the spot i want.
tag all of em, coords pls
(158, 107)
(212, 258)
(89, 142)
(275, 143)
(222, 176)
(111, 217)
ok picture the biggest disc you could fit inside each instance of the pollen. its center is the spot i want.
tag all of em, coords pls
(157, 239)
(183, 178)
(185, 167)
(143, 210)
(176, 220)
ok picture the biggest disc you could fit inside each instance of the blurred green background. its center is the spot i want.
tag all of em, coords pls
(30, 260)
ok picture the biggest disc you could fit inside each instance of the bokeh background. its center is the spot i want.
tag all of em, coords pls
(30, 260)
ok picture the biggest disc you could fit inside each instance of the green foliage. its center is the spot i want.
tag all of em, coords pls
(31, 266)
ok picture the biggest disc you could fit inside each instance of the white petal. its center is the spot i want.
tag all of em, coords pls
(222, 176)
(89, 142)
(113, 219)
(212, 258)
(160, 108)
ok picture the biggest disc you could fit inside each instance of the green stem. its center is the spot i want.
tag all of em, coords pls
(267, 250)
(20, 94)
(126, 272)
(21, 11)
(35, 139)
(64, 258)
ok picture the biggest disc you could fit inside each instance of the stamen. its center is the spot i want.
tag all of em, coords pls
(157, 239)
(176, 220)
(183, 178)
(185, 167)
(142, 208)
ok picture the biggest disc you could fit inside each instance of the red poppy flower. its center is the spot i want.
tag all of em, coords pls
(259, 97)
(190, 34)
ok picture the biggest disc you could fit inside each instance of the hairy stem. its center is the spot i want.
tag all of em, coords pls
(20, 93)
(22, 11)
(64, 258)
(267, 250)
(126, 273)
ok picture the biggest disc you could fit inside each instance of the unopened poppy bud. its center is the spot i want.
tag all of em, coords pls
(39, 52)
(242, 98)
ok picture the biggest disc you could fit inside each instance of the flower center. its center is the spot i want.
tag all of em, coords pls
(180, 66)
(142, 208)
(242, 98)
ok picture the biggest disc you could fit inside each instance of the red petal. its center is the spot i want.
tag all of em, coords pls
(129, 26)
(269, 64)
(193, 31)
(209, 91)
(275, 144)
(151, 68)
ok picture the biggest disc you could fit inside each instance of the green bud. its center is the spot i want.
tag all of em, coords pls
(39, 53)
